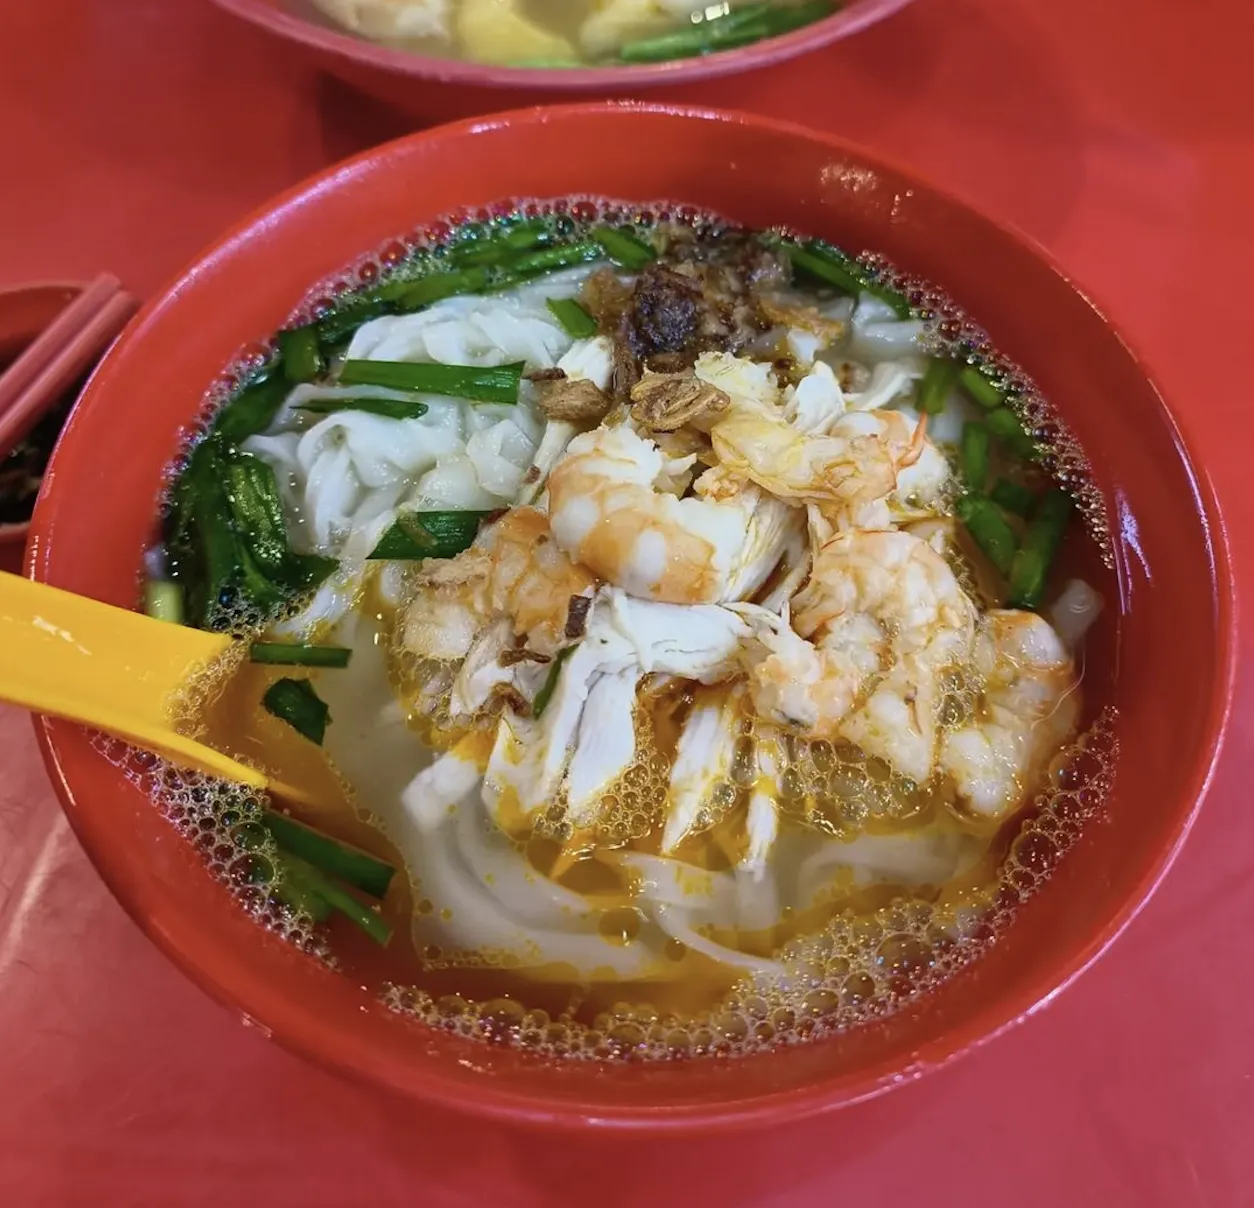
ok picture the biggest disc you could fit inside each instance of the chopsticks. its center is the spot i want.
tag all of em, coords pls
(61, 354)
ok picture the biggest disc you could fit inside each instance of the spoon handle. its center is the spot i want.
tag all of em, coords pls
(76, 658)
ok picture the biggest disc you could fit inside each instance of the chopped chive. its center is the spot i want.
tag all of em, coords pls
(257, 515)
(1030, 570)
(576, 322)
(624, 248)
(213, 550)
(438, 286)
(933, 388)
(550, 260)
(350, 864)
(296, 702)
(302, 358)
(163, 600)
(833, 267)
(253, 409)
(829, 271)
(503, 245)
(980, 388)
(227, 539)
(512, 266)
(1004, 424)
(389, 408)
(990, 530)
(342, 323)
(974, 456)
(1012, 496)
(706, 37)
(296, 894)
(549, 686)
(484, 385)
(725, 32)
(306, 879)
(417, 535)
(290, 654)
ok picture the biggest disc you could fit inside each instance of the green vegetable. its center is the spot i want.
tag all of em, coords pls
(437, 286)
(576, 322)
(257, 512)
(833, 267)
(340, 324)
(296, 702)
(253, 409)
(1012, 496)
(289, 654)
(624, 248)
(1004, 424)
(389, 408)
(227, 539)
(550, 684)
(933, 388)
(428, 535)
(484, 385)
(974, 456)
(212, 539)
(502, 245)
(503, 268)
(206, 554)
(296, 893)
(737, 28)
(163, 600)
(980, 388)
(1030, 570)
(550, 260)
(304, 879)
(302, 357)
(349, 864)
(990, 529)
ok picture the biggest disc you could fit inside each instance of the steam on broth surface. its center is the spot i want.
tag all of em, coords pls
(692, 614)
(569, 33)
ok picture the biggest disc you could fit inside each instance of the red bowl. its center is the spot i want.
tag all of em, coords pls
(1175, 608)
(439, 89)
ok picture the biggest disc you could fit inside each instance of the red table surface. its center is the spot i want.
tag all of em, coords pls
(1117, 133)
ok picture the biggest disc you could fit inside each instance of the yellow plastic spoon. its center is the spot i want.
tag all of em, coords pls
(76, 658)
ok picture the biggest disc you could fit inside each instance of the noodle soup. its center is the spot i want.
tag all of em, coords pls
(691, 638)
(569, 33)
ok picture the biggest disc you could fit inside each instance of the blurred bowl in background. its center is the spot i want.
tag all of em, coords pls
(437, 89)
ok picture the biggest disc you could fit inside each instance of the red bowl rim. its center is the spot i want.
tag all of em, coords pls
(484, 1100)
(328, 40)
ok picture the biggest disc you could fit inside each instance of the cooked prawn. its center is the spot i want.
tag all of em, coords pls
(878, 604)
(515, 569)
(842, 462)
(610, 509)
(1029, 708)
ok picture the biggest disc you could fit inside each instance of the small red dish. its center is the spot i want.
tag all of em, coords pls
(25, 311)
(1175, 603)
(440, 89)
